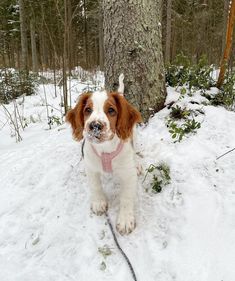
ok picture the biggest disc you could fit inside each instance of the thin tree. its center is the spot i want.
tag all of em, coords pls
(23, 34)
(133, 46)
(33, 46)
(228, 45)
(225, 17)
(65, 56)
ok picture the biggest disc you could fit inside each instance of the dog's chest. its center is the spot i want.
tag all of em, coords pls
(108, 162)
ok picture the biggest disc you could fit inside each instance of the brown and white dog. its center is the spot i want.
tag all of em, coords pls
(106, 121)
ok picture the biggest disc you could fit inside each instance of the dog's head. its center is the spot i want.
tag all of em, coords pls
(100, 115)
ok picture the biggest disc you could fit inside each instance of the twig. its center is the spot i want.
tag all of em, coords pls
(17, 112)
(4, 124)
(120, 249)
(48, 117)
(225, 153)
(7, 112)
(49, 105)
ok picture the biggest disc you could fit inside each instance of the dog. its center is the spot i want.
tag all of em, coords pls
(106, 121)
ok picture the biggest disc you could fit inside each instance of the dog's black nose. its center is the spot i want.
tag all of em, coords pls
(95, 126)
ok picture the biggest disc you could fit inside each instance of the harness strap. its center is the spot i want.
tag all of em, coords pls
(106, 158)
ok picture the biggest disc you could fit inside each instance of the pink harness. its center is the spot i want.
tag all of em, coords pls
(106, 158)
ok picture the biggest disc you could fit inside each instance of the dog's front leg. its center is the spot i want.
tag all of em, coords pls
(126, 218)
(99, 204)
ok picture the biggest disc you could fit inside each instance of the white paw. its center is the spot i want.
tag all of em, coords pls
(99, 206)
(125, 223)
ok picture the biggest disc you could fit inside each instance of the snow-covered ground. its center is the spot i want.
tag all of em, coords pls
(184, 233)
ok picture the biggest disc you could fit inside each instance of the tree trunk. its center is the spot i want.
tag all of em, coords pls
(228, 46)
(33, 47)
(23, 34)
(87, 63)
(65, 58)
(168, 31)
(132, 45)
(225, 18)
(44, 50)
(69, 37)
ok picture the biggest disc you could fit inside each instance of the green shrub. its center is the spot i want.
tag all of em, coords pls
(194, 76)
(15, 83)
(179, 113)
(179, 131)
(54, 120)
(160, 176)
(226, 95)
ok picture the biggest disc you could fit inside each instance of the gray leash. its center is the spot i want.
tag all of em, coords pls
(120, 249)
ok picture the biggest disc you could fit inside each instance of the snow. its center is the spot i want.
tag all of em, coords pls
(184, 233)
(172, 96)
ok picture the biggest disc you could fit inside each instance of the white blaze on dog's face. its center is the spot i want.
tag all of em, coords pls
(97, 112)
(100, 115)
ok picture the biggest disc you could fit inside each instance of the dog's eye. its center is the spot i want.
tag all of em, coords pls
(111, 111)
(88, 110)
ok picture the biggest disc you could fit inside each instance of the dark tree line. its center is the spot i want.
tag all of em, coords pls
(54, 32)
(198, 28)
(69, 32)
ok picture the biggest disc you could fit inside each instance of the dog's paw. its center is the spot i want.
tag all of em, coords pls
(125, 223)
(99, 206)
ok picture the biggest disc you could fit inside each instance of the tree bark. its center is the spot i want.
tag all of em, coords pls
(65, 58)
(132, 45)
(23, 34)
(86, 56)
(101, 39)
(33, 47)
(225, 18)
(228, 45)
(69, 41)
(168, 31)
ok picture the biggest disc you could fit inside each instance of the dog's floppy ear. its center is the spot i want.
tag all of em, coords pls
(128, 116)
(75, 117)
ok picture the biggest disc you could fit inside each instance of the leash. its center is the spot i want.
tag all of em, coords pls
(120, 249)
(82, 149)
(225, 153)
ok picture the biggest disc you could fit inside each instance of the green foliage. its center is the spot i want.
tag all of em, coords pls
(160, 176)
(9, 25)
(193, 76)
(226, 95)
(180, 123)
(16, 83)
(179, 131)
(179, 113)
(183, 91)
(105, 251)
(54, 120)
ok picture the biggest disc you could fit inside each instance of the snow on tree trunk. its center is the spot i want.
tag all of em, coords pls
(132, 45)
